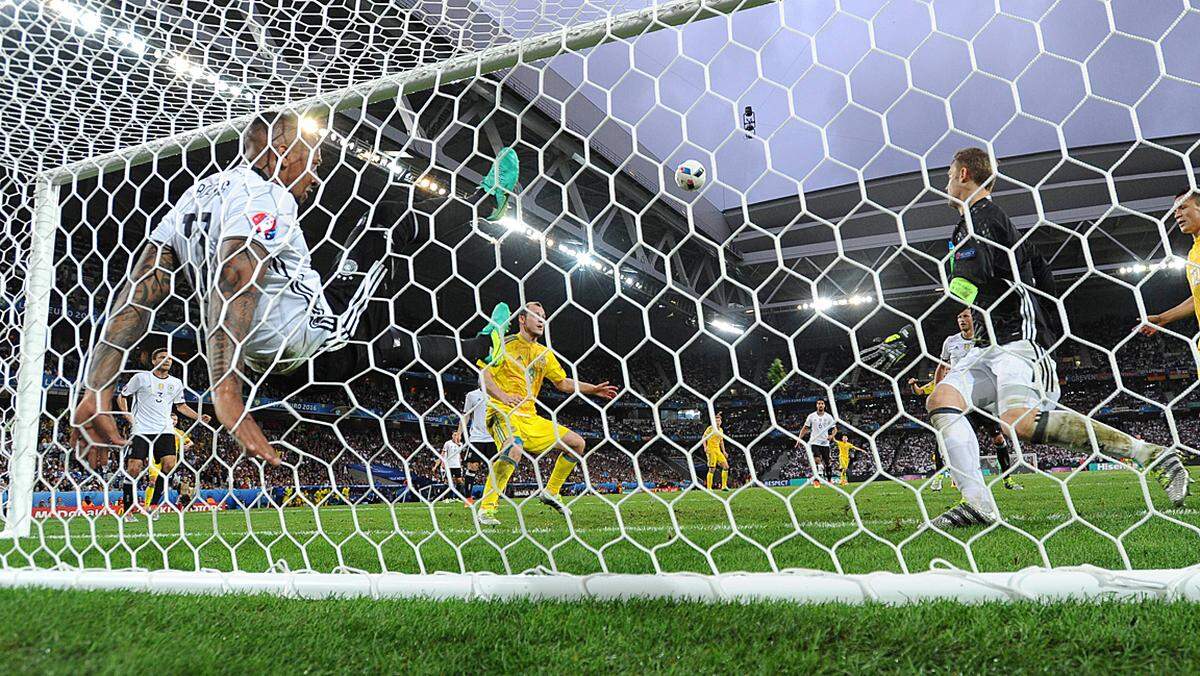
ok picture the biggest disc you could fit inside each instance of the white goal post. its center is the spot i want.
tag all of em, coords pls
(758, 263)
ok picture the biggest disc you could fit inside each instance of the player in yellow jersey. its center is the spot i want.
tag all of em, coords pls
(183, 442)
(714, 450)
(1187, 219)
(513, 384)
(844, 447)
(926, 389)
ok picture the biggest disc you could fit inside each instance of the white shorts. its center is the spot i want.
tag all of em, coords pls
(998, 378)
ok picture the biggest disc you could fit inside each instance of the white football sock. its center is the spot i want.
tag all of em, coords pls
(1069, 429)
(960, 448)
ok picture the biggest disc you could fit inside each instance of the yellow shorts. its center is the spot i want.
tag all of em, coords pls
(533, 433)
(844, 457)
(715, 456)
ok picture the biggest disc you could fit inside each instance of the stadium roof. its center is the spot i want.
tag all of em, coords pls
(852, 101)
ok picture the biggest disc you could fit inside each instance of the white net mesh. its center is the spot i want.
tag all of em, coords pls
(824, 130)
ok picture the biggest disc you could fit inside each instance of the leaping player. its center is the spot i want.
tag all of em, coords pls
(513, 384)
(237, 237)
(1014, 377)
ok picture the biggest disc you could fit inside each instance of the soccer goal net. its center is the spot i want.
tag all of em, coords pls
(699, 299)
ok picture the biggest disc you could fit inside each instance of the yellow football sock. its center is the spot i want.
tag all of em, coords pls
(708, 481)
(724, 479)
(562, 469)
(497, 480)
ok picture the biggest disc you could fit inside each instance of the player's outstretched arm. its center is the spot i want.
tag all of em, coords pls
(494, 390)
(800, 437)
(190, 412)
(149, 283)
(603, 390)
(888, 352)
(231, 309)
(1181, 311)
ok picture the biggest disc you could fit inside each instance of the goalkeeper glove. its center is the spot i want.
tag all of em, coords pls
(887, 352)
(776, 373)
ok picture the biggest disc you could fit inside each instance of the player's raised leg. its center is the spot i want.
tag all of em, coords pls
(1071, 430)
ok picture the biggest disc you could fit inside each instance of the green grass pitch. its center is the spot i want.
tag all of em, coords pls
(782, 528)
(1106, 523)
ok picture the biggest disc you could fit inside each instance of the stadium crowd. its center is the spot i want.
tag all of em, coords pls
(626, 439)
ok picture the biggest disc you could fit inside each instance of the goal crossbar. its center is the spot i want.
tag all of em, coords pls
(490, 60)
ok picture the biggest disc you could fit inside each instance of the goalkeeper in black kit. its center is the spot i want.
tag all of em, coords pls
(1014, 377)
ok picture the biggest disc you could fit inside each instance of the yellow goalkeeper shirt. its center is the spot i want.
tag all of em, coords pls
(927, 388)
(525, 366)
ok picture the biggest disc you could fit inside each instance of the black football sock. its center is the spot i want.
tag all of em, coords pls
(160, 488)
(1004, 458)
(128, 494)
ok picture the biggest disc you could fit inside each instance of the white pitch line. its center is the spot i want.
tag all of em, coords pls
(238, 536)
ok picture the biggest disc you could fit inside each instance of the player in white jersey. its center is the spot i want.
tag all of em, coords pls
(155, 393)
(955, 348)
(474, 426)
(450, 460)
(821, 427)
(237, 237)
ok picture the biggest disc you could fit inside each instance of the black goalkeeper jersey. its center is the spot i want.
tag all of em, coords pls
(1016, 312)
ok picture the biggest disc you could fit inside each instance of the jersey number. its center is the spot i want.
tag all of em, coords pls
(190, 220)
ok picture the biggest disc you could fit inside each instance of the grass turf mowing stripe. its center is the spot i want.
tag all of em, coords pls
(199, 634)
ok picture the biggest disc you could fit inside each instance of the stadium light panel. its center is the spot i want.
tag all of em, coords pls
(725, 326)
(131, 43)
(89, 21)
(310, 125)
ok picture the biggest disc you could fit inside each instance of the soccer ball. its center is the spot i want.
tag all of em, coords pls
(690, 175)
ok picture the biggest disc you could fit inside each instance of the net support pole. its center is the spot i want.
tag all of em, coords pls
(38, 282)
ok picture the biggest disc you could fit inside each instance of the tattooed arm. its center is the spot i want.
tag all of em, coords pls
(149, 283)
(231, 307)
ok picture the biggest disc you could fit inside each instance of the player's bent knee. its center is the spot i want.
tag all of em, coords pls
(1020, 420)
(575, 443)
